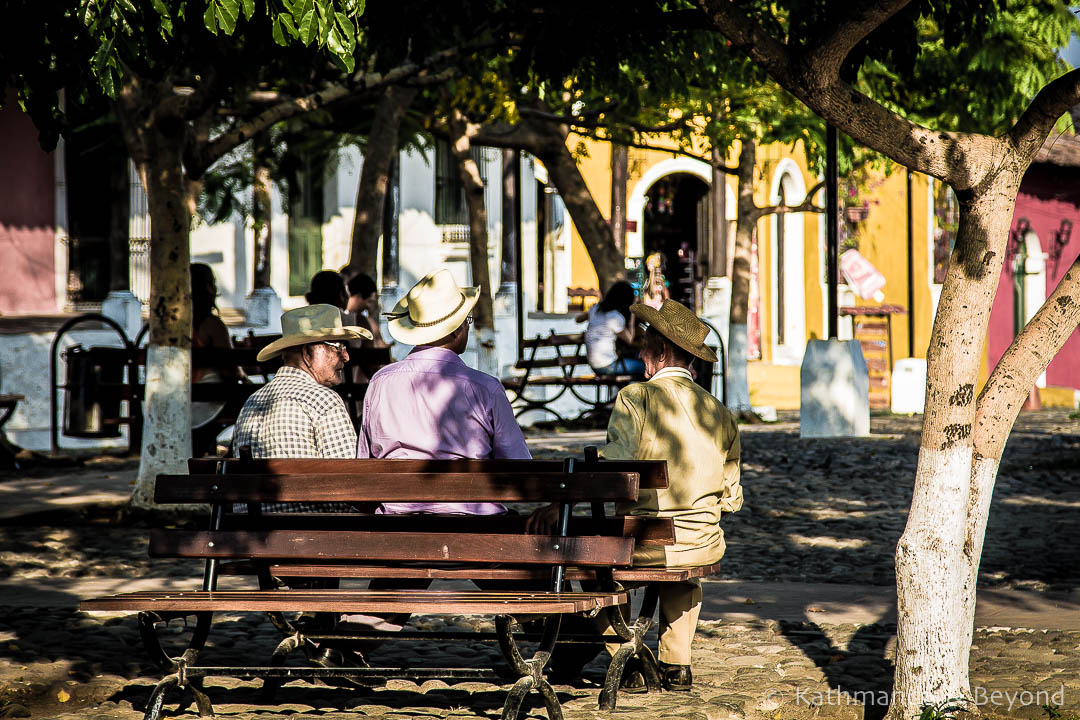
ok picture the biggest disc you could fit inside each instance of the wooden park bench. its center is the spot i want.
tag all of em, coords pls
(558, 361)
(117, 374)
(276, 548)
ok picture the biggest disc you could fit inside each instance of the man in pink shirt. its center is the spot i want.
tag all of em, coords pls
(431, 405)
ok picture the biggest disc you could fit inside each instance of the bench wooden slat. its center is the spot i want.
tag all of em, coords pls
(645, 530)
(447, 602)
(644, 574)
(397, 487)
(652, 474)
(314, 545)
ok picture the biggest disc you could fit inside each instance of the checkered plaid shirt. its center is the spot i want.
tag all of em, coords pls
(295, 417)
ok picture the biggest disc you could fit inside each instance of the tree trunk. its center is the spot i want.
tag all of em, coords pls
(155, 141)
(620, 161)
(738, 394)
(595, 232)
(261, 211)
(548, 143)
(483, 313)
(511, 211)
(935, 564)
(718, 240)
(375, 180)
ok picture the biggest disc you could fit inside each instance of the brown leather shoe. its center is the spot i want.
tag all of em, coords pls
(676, 678)
(633, 679)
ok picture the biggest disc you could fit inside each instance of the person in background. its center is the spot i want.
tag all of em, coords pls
(207, 331)
(364, 306)
(609, 320)
(328, 288)
(655, 291)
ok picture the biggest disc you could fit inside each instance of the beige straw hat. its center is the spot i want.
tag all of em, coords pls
(433, 308)
(311, 324)
(678, 324)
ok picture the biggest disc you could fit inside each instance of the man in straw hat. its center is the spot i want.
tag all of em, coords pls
(297, 414)
(671, 418)
(431, 404)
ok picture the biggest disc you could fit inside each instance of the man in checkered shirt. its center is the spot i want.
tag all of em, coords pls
(298, 414)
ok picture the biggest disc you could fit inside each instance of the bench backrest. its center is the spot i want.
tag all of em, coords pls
(365, 538)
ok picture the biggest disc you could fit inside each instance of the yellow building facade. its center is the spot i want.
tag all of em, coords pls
(893, 231)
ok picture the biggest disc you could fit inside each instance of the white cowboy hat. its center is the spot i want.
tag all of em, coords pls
(433, 308)
(678, 324)
(311, 324)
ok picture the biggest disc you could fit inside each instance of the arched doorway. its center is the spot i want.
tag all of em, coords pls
(675, 223)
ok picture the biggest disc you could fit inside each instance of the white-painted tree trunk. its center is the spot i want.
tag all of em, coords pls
(487, 351)
(166, 443)
(932, 659)
(738, 390)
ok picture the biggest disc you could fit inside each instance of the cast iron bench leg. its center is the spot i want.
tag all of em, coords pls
(633, 638)
(175, 667)
(531, 671)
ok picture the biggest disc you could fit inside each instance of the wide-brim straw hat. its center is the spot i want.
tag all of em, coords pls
(311, 324)
(432, 309)
(678, 324)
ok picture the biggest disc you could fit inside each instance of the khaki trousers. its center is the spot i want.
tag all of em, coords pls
(679, 604)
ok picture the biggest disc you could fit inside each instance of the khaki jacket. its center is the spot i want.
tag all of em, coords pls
(672, 418)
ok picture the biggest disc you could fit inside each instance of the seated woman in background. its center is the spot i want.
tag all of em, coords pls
(609, 320)
(364, 306)
(208, 331)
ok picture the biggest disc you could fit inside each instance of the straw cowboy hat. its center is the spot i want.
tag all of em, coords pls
(678, 324)
(433, 308)
(311, 324)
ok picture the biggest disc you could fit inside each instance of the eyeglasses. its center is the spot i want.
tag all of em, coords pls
(469, 319)
(340, 347)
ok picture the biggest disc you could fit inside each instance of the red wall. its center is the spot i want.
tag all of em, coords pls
(27, 217)
(1047, 195)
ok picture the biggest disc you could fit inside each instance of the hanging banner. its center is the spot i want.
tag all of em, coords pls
(865, 279)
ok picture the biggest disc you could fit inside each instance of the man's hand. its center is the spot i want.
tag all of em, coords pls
(543, 520)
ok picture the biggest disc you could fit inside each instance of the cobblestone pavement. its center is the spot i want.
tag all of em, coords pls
(816, 511)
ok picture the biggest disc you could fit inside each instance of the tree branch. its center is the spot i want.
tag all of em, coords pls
(204, 156)
(932, 152)
(1027, 357)
(1053, 101)
(850, 25)
(582, 121)
(807, 205)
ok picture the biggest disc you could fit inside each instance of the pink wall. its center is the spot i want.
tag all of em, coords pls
(1047, 195)
(27, 217)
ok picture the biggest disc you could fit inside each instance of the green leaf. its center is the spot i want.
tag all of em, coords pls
(228, 12)
(108, 83)
(127, 5)
(336, 43)
(249, 8)
(307, 27)
(348, 30)
(208, 19)
(279, 36)
(290, 26)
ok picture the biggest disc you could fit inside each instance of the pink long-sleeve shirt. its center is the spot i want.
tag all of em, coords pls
(431, 405)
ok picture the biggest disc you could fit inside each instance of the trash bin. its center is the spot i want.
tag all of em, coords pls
(89, 411)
